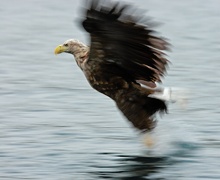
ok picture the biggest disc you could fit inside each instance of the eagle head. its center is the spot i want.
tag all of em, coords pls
(79, 50)
(70, 46)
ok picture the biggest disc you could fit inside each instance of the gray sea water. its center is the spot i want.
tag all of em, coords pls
(53, 125)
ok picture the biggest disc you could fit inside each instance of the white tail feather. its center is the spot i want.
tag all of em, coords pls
(173, 95)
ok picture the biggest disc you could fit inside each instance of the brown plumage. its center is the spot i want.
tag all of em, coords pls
(124, 53)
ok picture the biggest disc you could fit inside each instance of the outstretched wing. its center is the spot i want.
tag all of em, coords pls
(125, 51)
(119, 37)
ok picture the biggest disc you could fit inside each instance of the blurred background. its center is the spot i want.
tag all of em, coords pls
(53, 125)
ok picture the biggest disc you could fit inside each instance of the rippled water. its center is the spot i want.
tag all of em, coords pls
(54, 126)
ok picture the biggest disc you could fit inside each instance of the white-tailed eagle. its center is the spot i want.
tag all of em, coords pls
(124, 52)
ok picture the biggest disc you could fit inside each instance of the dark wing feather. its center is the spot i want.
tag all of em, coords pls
(122, 52)
(122, 39)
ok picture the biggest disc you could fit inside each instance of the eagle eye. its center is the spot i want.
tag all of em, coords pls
(66, 44)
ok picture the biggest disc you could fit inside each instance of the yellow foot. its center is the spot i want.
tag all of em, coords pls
(148, 140)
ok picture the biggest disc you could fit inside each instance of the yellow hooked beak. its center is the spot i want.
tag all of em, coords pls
(59, 49)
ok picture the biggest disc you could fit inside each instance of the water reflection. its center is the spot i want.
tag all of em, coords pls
(133, 167)
(147, 165)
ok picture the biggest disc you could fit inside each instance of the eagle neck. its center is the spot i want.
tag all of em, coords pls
(81, 55)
